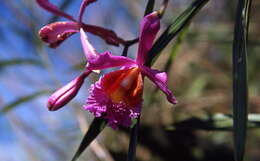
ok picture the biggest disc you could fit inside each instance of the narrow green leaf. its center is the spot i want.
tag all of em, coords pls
(133, 141)
(240, 88)
(149, 7)
(175, 48)
(95, 128)
(22, 100)
(173, 29)
(7, 63)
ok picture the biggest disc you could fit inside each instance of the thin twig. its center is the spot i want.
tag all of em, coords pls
(128, 44)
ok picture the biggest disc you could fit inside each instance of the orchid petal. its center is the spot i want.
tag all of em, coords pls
(150, 25)
(65, 94)
(107, 60)
(55, 33)
(89, 50)
(83, 6)
(160, 80)
(45, 4)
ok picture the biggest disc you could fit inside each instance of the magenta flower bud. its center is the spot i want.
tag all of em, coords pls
(65, 94)
(55, 33)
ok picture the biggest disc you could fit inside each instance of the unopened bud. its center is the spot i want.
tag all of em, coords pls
(65, 94)
(55, 33)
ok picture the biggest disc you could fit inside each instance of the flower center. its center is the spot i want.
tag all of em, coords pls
(124, 86)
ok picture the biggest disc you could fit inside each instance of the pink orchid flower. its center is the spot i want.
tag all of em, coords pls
(117, 96)
(55, 33)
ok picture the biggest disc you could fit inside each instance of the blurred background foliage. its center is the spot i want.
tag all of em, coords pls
(196, 129)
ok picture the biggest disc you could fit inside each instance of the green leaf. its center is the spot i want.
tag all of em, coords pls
(133, 141)
(95, 128)
(12, 62)
(175, 48)
(22, 100)
(240, 87)
(173, 29)
(149, 7)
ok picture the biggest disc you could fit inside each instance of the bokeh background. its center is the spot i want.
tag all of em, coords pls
(196, 129)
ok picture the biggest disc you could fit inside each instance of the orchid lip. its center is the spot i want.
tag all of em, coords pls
(117, 112)
(124, 85)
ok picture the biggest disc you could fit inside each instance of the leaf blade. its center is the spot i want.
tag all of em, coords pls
(173, 29)
(133, 141)
(175, 48)
(240, 87)
(97, 125)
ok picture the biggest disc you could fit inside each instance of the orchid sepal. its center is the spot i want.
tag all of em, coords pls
(107, 60)
(83, 6)
(45, 4)
(149, 27)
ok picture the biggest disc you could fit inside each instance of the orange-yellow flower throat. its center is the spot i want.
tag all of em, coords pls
(124, 86)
